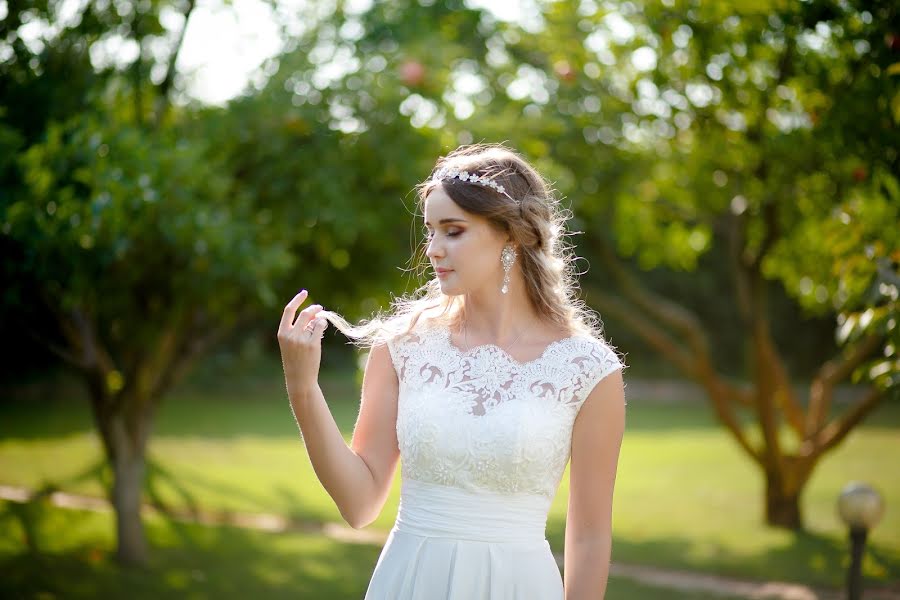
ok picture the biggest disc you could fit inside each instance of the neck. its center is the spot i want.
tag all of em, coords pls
(490, 316)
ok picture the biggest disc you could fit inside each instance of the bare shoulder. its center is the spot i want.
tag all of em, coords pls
(604, 406)
(374, 436)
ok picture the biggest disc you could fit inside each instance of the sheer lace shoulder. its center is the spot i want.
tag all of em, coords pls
(402, 345)
(596, 360)
(571, 366)
(481, 419)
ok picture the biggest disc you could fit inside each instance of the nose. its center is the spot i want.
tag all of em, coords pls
(434, 249)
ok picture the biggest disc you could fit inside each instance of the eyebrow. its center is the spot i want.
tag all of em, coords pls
(449, 220)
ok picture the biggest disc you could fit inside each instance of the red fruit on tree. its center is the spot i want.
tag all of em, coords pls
(892, 40)
(564, 70)
(412, 73)
(860, 174)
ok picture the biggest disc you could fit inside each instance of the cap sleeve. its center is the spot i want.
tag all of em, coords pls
(601, 360)
(402, 347)
(398, 359)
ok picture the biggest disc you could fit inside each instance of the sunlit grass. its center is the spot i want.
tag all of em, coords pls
(69, 556)
(72, 559)
(686, 497)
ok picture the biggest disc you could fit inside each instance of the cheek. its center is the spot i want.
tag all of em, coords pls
(481, 266)
(475, 257)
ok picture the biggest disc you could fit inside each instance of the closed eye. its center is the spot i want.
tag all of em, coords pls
(429, 234)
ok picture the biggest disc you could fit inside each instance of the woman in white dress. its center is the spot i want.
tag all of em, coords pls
(484, 384)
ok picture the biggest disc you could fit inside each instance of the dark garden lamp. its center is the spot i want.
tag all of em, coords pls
(860, 507)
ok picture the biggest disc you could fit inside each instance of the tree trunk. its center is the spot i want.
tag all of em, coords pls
(785, 481)
(679, 336)
(124, 404)
(128, 484)
(782, 505)
(124, 425)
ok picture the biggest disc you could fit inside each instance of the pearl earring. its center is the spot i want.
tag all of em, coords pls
(508, 258)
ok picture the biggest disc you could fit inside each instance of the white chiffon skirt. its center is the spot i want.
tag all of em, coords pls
(453, 544)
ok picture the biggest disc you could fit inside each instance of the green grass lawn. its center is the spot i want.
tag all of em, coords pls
(685, 495)
(70, 558)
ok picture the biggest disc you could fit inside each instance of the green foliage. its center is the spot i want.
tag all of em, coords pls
(675, 130)
(666, 125)
(850, 258)
(139, 226)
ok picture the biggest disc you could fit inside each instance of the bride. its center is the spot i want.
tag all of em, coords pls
(484, 384)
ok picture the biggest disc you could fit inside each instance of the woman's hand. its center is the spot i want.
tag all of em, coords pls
(300, 342)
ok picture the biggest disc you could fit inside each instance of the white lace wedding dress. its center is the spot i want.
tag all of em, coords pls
(484, 441)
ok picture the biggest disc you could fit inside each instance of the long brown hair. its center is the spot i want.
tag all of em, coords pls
(536, 225)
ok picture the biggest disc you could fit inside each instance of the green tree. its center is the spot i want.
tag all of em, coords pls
(129, 236)
(763, 133)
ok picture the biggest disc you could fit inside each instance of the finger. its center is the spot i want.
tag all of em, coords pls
(314, 317)
(287, 317)
(306, 315)
(317, 330)
(320, 313)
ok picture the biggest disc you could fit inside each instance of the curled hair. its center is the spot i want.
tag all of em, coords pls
(536, 225)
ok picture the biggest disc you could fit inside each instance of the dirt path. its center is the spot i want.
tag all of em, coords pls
(685, 581)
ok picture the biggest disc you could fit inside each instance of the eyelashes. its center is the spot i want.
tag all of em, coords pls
(429, 234)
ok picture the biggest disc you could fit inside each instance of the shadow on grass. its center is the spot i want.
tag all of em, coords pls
(159, 476)
(166, 492)
(187, 560)
(808, 558)
(196, 562)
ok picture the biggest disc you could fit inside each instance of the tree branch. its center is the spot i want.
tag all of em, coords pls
(834, 433)
(838, 369)
(192, 346)
(772, 232)
(162, 101)
(59, 351)
(81, 335)
(772, 381)
(670, 314)
(665, 311)
(720, 392)
(651, 333)
(831, 373)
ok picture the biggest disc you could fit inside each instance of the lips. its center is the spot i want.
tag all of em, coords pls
(439, 271)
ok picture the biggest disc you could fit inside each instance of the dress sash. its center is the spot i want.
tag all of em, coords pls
(432, 510)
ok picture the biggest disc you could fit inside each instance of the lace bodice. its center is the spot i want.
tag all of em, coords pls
(480, 420)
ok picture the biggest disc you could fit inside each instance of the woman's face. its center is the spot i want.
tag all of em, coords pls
(463, 248)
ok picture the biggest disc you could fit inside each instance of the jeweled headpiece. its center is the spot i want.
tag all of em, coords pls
(448, 173)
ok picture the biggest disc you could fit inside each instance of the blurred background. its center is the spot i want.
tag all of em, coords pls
(172, 172)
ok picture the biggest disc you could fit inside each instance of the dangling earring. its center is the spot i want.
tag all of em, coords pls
(508, 258)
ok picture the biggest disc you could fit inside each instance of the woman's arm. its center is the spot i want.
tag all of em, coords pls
(596, 439)
(357, 478)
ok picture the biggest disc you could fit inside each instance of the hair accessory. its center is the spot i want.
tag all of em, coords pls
(447, 173)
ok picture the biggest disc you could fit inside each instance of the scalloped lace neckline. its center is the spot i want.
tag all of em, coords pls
(444, 332)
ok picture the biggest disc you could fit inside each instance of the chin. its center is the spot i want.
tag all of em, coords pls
(450, 289)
